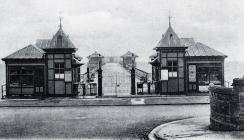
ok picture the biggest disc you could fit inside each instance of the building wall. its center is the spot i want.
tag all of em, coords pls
(172, 72)
(59, 69)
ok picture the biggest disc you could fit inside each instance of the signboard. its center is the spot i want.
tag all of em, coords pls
(164, 74)
(68, 76)
(192, 73)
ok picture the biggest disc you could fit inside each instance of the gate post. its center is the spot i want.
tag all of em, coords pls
(100, 88)
(133, 81)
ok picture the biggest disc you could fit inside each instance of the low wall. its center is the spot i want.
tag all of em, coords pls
(227, 107)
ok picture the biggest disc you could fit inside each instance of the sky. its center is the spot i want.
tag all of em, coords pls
(113, 27)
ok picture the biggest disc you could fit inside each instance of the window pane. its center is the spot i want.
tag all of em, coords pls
(163, 62)
(68, 55)
(175, 64)
(14, 72)
(50, 56)
(215, 78)
(175, 69)
(50, 74)
(68, 63)
(59, 56)
(163, 54)
(61, 71)
(56, 65)
(180, 54)
(172, 54)
(50, 63)
(14, 81)
(170, 64)
(181, 62)
(61, 65)
(27, 80)
(181, 72)
(203, 79)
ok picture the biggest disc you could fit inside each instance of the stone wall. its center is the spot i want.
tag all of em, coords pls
(227, 107)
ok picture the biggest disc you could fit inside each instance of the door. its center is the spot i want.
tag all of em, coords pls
(39, 81)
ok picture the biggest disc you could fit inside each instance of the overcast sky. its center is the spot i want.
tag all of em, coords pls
(112, 27)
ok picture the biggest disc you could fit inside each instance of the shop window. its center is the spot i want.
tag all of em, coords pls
(207, 75)
(173, 68)
(21, 77)
(59, 70)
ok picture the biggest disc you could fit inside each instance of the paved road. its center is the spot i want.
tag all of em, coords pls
(107, 122)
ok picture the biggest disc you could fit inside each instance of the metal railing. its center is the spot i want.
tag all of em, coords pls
(3, 87)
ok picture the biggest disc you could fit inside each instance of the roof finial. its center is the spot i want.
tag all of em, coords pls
(60, 22)
(170, 19)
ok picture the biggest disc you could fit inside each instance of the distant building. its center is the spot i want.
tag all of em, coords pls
(48, 68)
(183, 66)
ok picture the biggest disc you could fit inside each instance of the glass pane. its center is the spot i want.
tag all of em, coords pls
(68, 55)
(172, 54)
(14, 81)
(180, 54)
(175, 69)
(59, 56)
(181, 72)
(27, 80)
(50, 56)
(68, 63)
(215, 78)
(14, 72)
(163, 54)
(50, 63)
(181, 62)
(203, 79)
(56, 65)
(163, 62)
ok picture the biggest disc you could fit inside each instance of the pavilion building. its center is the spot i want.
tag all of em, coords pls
(183, 66)
(48, 68)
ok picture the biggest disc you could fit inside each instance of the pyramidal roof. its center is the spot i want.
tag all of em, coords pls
(129, 54)
(95, 54)
(170, 39)
(28, 52)
(66, 42)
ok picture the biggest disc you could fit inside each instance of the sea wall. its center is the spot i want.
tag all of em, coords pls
(227, 107)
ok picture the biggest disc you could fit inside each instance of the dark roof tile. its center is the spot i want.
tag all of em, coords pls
(28, 52)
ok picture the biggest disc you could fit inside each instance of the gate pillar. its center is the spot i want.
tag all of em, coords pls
(100, 81)
(133, 81)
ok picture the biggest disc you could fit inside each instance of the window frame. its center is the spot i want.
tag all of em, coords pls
(172, 68)
(59, 71)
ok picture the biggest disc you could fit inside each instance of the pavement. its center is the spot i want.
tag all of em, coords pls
(125, 101)
(192, 129)
(91, 122)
